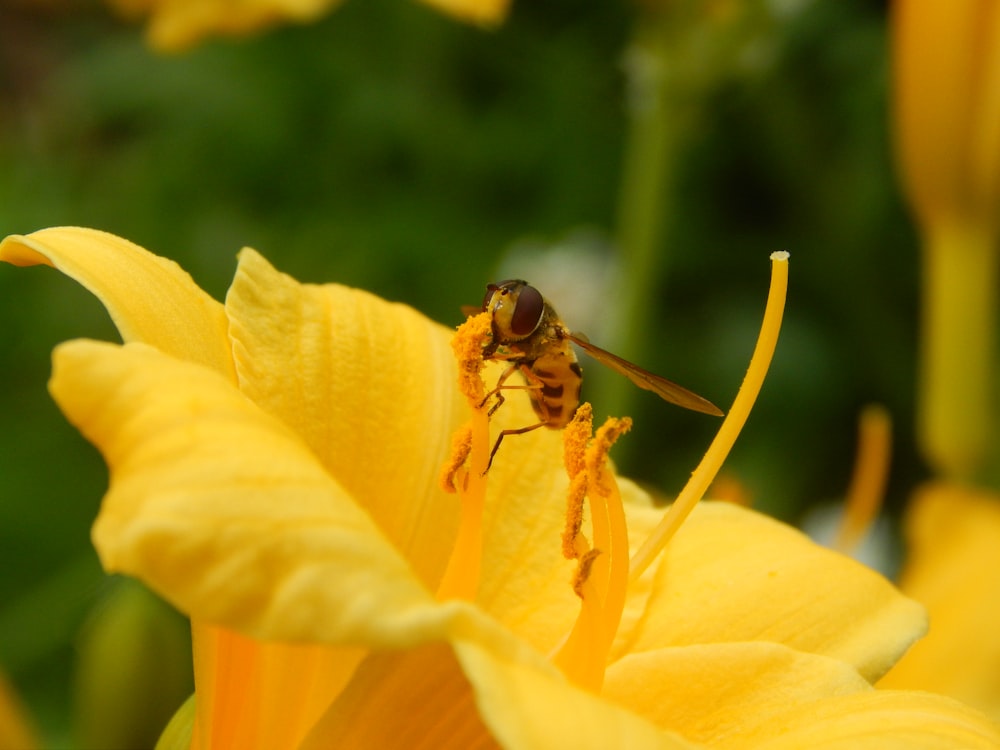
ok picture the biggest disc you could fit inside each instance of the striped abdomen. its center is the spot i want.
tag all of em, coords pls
(560, 376)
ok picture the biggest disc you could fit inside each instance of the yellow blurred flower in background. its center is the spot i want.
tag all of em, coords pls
(946, 68)
(175, 25)
(274, 474)
(946, 83)
(953, 533)
(16, 730)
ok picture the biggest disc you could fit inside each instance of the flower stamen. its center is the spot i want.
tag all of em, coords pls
(601, 577)
(454, 474)
(576, 435)
(583, 571)
(730, 429)
(465, 471)
(573, 542)
(871, 473)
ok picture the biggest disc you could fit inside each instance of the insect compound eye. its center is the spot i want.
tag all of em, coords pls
(527, 311)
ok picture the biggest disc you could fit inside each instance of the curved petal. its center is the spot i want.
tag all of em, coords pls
(953, 555)
(493, 693)
(226, 513)
(370, 386)
(150, 299)
(881, 720)
(412, 699)
(732, 574)
(715, 693)
(530, 705)
(261, 695)
(764, 695)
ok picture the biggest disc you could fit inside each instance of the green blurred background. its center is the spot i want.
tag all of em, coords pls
(394, 149)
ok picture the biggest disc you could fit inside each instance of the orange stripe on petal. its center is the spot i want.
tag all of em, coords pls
(413, 700)
(254, 695)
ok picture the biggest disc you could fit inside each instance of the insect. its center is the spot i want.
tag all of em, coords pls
(528, 333)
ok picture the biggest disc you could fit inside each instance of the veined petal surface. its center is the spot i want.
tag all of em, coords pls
(150, 299)
(262, 695)
(367, 384)
(224, 511)
(733, 575)
(530, 705)
(525, 580)
(408, 700)
(764, 695)
(722, 694)
(881, 720)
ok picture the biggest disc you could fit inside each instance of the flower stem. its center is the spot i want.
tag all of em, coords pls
(657, 130)
(959, 333)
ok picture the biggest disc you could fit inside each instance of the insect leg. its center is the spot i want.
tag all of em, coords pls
(505, 433)
(500, 387)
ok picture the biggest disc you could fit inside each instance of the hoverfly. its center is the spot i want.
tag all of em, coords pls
(528, 333)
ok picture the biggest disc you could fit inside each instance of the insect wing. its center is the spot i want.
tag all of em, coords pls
(665, 389)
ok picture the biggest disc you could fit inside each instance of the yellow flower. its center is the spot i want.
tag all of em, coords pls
(177, 24)
(274, 467)
(16, 730)
(946, 67)
(953, 534)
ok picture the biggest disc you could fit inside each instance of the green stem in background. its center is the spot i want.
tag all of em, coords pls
(958, 376)
(660, 119)
(681, 51)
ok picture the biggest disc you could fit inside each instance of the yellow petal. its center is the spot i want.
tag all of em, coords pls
(497, 692)
(530, 705)
(764, 695)
(714, 693)
(368, 385)
(880, 720)
(526, 581)
(486, 12)
(257, 695)
(735, 575)
(150, 299)
(221, 509)
(953, 555)
(177, 734)
(947, 106)
(416, 698)
(16, 731)
(175, 25)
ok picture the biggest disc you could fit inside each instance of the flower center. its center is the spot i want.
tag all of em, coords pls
(601, 577)
(603, 566)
